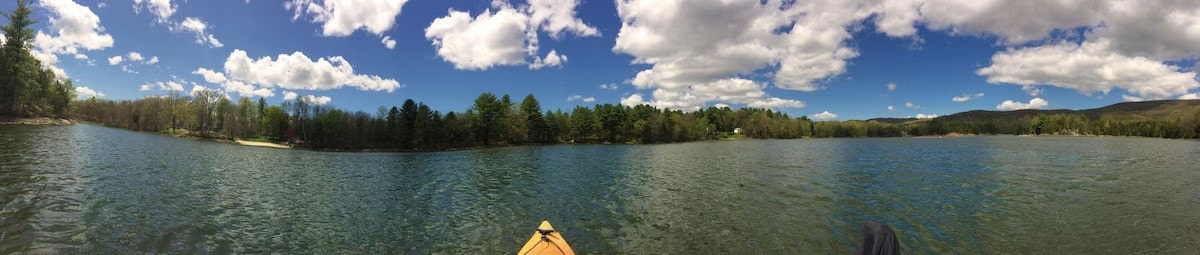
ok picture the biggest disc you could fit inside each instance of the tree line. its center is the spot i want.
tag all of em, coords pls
(500, 121)
(491, 121)
(26, 88)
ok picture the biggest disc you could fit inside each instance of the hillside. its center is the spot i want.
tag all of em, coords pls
(1132, 111)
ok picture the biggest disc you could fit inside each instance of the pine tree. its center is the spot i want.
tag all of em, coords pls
(18, 68)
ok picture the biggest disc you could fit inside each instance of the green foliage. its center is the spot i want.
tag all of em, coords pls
(495, 121)
(25, 87)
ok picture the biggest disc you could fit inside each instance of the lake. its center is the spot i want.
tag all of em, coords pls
(91, 189)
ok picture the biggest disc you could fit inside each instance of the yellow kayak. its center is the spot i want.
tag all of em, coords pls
(546, 241)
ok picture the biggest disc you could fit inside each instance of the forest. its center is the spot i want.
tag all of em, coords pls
(501, 121)
(27, 88)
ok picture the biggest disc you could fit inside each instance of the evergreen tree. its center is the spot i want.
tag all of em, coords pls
(488, 112)
(18, 68)
(535, 122)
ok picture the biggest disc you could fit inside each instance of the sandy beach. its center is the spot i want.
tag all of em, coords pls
(262, 144)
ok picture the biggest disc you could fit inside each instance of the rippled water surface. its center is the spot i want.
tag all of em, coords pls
(89, 189)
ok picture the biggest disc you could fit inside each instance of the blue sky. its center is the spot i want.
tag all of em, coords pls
(815, 58)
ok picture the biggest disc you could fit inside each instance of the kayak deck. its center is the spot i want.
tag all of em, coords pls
(545, 241)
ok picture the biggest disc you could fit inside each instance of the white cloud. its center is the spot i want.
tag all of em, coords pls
(127, 69)
(101, 5)
(891, 86)
(246, 90)
(135, 56)
(552, 60)
(210, 75)
(910, 105)
(288, 95)
(608, 86)
(490, 39)
(556, 16)
(574, 97)
(1088, 68)
(115, 60)
(633, 100)
(826, 115)
(85, 92)
(343, 17)
(162, 9)
(321, 100)
(153, 60)
(924, 116)
(1033, 91)
(966, 97)
(507, 36)
(388, 42)
(73, 27)
(688, 45)
(891, 109)
(200, 29)
(589, 99)
(1192, 96)
(776, 103)
(732, 90)
(297, 71)
(164, 86)
(720, 105)
(1035, 103)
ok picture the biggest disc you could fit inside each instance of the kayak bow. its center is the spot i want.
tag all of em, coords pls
(546, 241)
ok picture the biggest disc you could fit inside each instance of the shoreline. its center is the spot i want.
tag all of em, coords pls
(15, 120)
(261, 144)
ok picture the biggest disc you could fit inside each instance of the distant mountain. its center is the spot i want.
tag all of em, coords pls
(1133, 111)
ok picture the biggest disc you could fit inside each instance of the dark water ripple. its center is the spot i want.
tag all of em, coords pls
(88, 189)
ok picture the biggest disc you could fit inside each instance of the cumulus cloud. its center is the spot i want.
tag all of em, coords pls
(295, 71)
(801, 44)
(910, 105)
(1035, 103)
(589, 99)
(556, 16)
(552, 60)
(200, 29)
(210, 75)
(732, 90)
(85, 92)
(343, 17)
(826, 115)
(688, 45)
(162, 9)
(288, 95)
(388, 42)
(891, 109)
(633, 100)
(1192, 96)
(966, 97)
(926, 116)
(608, 86)
(73, 27)
(115, 60)
(1088, 68)
(153, 60)
(317, 100)
(891, 86)
(506, 36)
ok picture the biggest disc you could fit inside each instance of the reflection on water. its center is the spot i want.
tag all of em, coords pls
(88, 189)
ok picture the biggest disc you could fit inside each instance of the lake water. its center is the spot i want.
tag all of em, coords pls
(90, 189)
